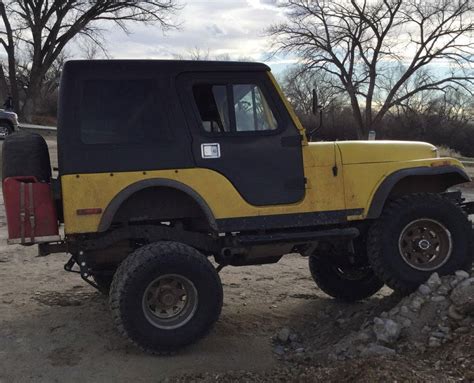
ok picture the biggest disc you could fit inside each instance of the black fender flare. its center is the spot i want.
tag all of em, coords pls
(383, 191)
(131, 189)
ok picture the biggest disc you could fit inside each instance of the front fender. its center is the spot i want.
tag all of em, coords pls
(453, 175)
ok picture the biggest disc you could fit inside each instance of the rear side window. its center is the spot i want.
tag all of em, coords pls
(227, 108)
(117, 111)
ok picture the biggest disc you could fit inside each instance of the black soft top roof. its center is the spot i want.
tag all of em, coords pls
(169, 66)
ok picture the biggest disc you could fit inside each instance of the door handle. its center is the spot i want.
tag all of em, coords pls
(211, 150)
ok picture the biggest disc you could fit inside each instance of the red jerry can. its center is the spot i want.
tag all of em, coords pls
(30, 210)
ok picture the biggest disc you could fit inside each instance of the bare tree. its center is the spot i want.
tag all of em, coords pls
(37, 31)
(198, 54)
(298, 84)
(376, 48)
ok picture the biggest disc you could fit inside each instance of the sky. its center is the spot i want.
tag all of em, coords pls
(229, 27)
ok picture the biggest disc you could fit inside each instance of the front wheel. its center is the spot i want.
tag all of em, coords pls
(417, 235)
(164, 296)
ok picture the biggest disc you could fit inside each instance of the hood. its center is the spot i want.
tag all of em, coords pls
(366, 152)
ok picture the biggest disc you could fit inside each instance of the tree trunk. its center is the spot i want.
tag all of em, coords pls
(30, 102)
(4, 91)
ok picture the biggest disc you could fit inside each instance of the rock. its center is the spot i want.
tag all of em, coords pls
(424, 289)
(406, 323)
(284, 334)
(453, 283)
(453, 313)
(293, 337)
(461, 275)
(296, 345)
(405, 311)
(434, 342)
(394, 311)
(416, 303)
(462, 330)
(438, 334)
(463, 297)
(386, 330)
(444, 329)
(443, 290)
(363, 337)
(299, 350)
(377, 349)
(279, 350)
(438, 298)
(434, 281)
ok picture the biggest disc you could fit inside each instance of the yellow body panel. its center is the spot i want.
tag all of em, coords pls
(352, 188)
(324, 191)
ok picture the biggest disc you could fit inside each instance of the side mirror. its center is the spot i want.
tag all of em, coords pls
(315, 102)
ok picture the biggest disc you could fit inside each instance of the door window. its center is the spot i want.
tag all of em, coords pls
(233, 108)
(252, 112)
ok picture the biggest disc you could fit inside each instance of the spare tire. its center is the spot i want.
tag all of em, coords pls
(26, 154)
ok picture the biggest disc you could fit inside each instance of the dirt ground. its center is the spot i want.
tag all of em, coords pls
(56, 328)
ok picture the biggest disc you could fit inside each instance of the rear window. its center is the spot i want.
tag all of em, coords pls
(117, 111)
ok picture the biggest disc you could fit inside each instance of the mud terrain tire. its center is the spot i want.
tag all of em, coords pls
(165, 267)
(348, 287)
(26, 154)
(439, 220)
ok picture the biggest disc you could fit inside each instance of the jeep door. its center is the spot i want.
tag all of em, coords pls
(240, 128)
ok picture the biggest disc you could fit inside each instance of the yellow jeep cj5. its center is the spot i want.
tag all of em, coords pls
(165, 164)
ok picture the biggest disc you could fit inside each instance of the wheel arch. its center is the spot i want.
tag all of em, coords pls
(133, 189)
(413, 180)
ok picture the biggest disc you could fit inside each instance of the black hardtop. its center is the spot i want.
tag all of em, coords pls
(163, 66)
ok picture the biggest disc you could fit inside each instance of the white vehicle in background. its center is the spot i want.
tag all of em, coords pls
(8, 123)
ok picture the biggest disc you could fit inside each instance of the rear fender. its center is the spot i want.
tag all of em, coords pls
(130, 190)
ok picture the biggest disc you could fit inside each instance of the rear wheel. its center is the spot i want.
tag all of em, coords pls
(337, 277)
(417, 235)
(164, 296)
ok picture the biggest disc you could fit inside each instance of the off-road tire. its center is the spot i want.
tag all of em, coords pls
(383, 240)
(331, 281)
(26, 154)
(143, 266)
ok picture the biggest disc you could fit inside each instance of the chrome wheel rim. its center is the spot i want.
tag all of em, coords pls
(425, 244)
(170, 301)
